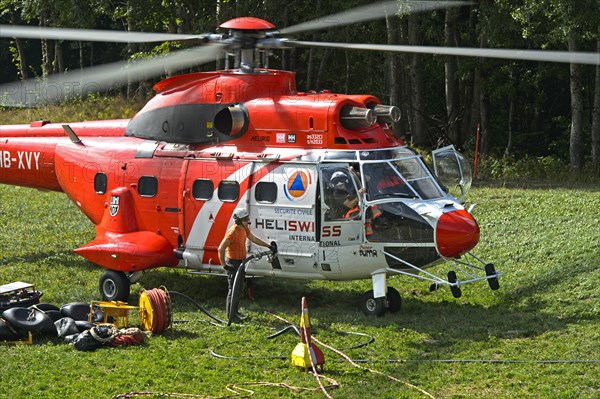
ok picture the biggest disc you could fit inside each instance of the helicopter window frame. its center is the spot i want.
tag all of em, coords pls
(333, 204)
(147, 186)
(100, 183)
(420, 178)
(373, 193)
(203, 189)
(228, 191)
(265, 192)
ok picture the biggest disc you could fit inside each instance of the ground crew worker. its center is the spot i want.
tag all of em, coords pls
(232, 251)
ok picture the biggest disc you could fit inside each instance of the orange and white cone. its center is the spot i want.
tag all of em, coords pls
(306, 354)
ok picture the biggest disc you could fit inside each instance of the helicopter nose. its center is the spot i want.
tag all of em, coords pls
(456, 233)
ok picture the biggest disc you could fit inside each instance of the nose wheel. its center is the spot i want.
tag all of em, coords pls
(456, 292)
(490, 270)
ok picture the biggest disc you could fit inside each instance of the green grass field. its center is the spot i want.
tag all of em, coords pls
(536, 337)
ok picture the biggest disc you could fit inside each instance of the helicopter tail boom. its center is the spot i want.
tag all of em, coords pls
(28, 152)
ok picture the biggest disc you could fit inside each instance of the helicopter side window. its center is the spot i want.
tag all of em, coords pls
(229, 191)
(203, 189)
(341, 195)
(147, 186)
(100, 182)
(266, 192)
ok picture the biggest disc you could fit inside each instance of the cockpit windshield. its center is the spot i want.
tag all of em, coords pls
(405, 176)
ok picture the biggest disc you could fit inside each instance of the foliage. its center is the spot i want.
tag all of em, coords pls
(529, 169)
(540, 90)
(533, 338)
(93, 107)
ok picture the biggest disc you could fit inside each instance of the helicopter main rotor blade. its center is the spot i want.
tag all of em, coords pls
(90, 35)
(526, 55)
(103, 77)
(370, 12)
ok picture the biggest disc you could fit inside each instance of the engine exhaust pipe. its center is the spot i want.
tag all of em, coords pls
(355, 117)
(387, 113)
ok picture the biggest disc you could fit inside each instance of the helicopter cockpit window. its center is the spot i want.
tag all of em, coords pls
(100, 182)
(266, 192)
(341, 193)
(419, 177)
(383, 181)
(229, 191)
(203, 189)
(147, 186)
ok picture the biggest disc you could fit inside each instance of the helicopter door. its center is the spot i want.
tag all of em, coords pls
(452, 170)
(341, 215)
(282, 209)
(211, 190)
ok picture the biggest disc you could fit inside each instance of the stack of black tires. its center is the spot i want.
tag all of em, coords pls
(46, 320)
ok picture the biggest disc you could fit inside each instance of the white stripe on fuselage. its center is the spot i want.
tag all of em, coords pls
(202, 225)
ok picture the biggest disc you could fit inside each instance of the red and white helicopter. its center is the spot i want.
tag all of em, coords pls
(161, 187)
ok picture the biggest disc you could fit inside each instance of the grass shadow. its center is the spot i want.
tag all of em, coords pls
(517, 312)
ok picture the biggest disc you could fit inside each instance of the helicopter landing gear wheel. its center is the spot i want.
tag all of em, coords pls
(456, 292)
(490, 270)
(155, 310)
(394, 300)
(114, 286)
(373, 306)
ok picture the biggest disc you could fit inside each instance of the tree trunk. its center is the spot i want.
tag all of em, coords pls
(59, 65)
(322, 66)
(80, 43)
(486, 131)
(92, 47)
(20, 49)
(47, 47)
(576, 141)
(469, 97)
(511, 126)
(418, 130)
(285, 53)
(475, 105)
(405, 81)
(130, 49)
(451, 80)
(348, 67)
(391, 22)
(311, 56)
(511, 111)
(484, 105)
(596, 117)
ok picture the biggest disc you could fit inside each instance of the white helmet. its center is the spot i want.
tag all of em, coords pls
(339, 180)
(240, 213)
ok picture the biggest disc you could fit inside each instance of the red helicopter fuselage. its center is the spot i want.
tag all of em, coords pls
(161, 188)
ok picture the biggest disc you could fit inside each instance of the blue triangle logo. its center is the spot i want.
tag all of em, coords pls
(297, 184)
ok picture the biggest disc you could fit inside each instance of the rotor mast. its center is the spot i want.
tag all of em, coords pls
(245, 33)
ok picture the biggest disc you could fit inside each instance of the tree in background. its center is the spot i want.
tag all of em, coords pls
(523, 107)
(563, 23)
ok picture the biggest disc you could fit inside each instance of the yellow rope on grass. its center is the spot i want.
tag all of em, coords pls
(347, 358)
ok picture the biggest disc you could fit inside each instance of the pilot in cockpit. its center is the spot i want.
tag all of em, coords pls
(344, 195)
